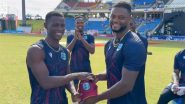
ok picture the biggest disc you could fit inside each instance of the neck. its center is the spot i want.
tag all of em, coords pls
(53, 43)
(121, 34)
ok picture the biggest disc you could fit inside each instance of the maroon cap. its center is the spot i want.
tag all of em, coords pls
(87, 89)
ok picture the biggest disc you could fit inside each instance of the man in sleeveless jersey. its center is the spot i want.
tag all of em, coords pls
(178, 80)
(125, 57)
(47, 62)
(80, 45)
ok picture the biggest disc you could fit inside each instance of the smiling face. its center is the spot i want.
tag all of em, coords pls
(55, 26)
(119, 19)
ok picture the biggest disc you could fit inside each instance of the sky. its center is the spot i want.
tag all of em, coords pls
(33, 7)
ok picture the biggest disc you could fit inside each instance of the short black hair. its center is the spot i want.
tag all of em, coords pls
(79, 17)
(123, 4)
(76, 17)
(51, 14)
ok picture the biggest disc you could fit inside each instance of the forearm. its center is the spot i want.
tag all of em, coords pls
(57, 81)
(71, 45)
(71, 88)
(115, 91)
(175, 78)
(88, 46)
(102, 77)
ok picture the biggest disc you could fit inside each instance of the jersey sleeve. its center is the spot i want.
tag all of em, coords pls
(176, 65)
(107, 45)
(134, 56)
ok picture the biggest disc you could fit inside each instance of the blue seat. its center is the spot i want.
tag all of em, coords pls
(142, 2)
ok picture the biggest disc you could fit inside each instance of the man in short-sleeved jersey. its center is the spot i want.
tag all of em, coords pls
(178, 79)
(125, 56)
(133, 29)
(48, 68)
(80, 45)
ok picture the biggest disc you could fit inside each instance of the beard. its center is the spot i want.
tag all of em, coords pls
(120, 29)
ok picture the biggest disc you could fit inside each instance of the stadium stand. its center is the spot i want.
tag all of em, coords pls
(148, 25)
(70, 24)
(176, 4)
(96, 24)
(143, 10)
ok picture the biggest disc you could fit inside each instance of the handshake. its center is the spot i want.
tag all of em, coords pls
(178, 90)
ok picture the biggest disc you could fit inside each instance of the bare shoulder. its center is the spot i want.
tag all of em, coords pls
(34, 54)
(35, 49)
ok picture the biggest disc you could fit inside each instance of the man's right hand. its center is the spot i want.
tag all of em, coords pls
(174, 88)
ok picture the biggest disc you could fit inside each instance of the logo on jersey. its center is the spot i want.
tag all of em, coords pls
(86, 86)
(63, 56)
(85, 37)
(119, 47)
(50, 54)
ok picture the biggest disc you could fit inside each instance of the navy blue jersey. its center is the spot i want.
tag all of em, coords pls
(80, 55)
(131, 54)
(179, 64)
(57, 64)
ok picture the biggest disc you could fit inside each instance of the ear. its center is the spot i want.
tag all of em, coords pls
(129, 18)
(45, 25)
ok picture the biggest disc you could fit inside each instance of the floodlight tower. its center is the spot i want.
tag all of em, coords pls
(23, 13)
(3, 7)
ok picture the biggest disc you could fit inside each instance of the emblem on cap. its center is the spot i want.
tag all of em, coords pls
(86, 86)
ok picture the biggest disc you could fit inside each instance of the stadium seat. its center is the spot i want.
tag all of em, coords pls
(143, 2)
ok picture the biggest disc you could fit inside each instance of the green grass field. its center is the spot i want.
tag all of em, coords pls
(14, 82)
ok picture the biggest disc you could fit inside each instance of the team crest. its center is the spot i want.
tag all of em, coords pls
(63, 56)
(50, 54)
(86, 86)
(119, 47)
(85, 37)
